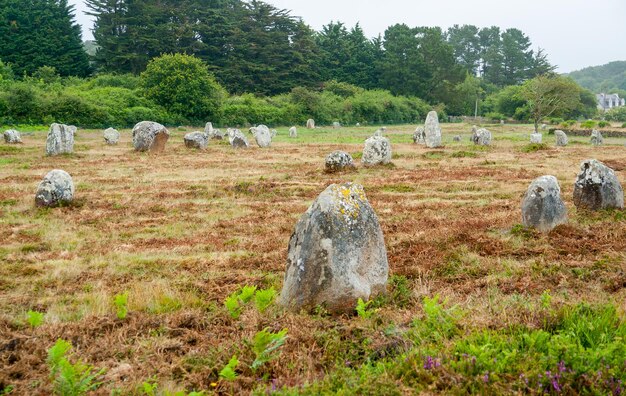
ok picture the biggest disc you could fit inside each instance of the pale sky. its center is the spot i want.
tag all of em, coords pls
(575, 33)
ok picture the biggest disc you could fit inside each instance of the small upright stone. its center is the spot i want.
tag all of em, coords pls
(597, 187)
(293, 132)
(12, 137)
(273, 132)
(419, 137)
(536, 138)
(482, 137)
(213, 134)
(561, 138)
(544, 127)
(377, 151)
(310, 124)
(338, 161)
(263, 136)
(596, 138)
(380, 131)
(197, 140)
(150, 136)
(336, 125)
(457, 138)
(432, 130)
(336, 254)
(111, 136)
(237, 139)
(60, 140)
(542, 207)
(208, 128)
(56, 188)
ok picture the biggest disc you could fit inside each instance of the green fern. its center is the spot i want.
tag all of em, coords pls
(362, 309)
(71, 379)
(35, 319)
(228, 372)
(264, 298)
(265, 346)
(121, 305)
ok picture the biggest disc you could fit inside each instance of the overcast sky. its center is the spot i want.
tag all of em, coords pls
(575, 33)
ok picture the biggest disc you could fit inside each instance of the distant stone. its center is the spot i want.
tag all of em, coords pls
(263, 136)
(336, 125)
(432, 130)
(544, 127)
(482, 137)
(56, 188)
(150, 136)
(338, 161)
(536, 138)
(213, 134)
(274, 132)
(60, 140)
(310, 124)
(457, 138)
(542, 207)
(237, 139)
(208, 128)
(377, 151)
(597, 187)
(111, 136)
(380, 131)
(561, 138)
(196, 140)
(252, 131)
(419, 137)
(12, 137)
(336, 254)
(596, 138)
(358, 124)
(501, 122)
(474, 129)
(293, 132)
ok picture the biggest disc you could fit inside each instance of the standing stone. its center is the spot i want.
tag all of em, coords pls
(419, 137)
(457, 138)
(482, 137)
(60, 140)
(336, 125)
(536, 138)
(208, 128)
(380, 131)
(474, 129)
(596, 138)
(338, 161)
(237, 139)
(12, 137)
(597, 187)
(432, 130)
(111, 136)
(542, 207)
(196, 140)
(263, 136)
(213, 134)
(56, 188)
(544, 127)
(561, 138)
(252, 131)
(336, 254)
(150, 136)
(293, 132)
(274, 132)
(377, 151)
(310, 124)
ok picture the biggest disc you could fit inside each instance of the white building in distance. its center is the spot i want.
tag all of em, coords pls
(608, 101)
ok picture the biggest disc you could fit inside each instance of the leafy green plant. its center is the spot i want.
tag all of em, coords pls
(588, 124)
(228, 372)
(247, 294)
(71, 379)
(264, 298)
(232, 305)
(363, 310)
(546, 299)
(439, 322)
(265, 345)
(121, 305)
(603, 124)
(35, 319)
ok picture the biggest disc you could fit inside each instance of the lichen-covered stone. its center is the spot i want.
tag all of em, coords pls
(150, 136)
(596, 138)
(419, 137)
(213, 134)
(111, 136)
(12, 137)
(377, 151)
(56, 188)
(536, 138)
(338, 161)
(336, 254)
(263, 136)
(482, 137)
(432, 130)
(310, 124)
(237, 139)
(542, 207)
(561, 138)
(196, 140)
(60, 140)
(293, 132)
(597, 187)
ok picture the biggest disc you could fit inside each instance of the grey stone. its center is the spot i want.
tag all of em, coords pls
(150, 136)
(339, 161)
(336, 254)
(310, 124)
(597, 187)
(336, 125)
(544, 127)
(536, 138)
(419, 136)
(12, 137)
(457, 138)
(482, 137)
(213, 134)
(196, 140)
(380, 131)
(208, 128)
(596, 138)
(111, 136)
(432, 130)
(274, 132)
(542, 207)
(60, 140)
(56, 188)
(73, 129)
(263, 136)
(293, 132)
(561, 138)
(377, 151)
(237, 139)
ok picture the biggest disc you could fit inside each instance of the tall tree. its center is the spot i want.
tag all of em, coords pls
(466, 43)
(36, 33)
(518, 58)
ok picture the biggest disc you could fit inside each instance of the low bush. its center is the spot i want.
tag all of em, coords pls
(588, 124)
(603, 124)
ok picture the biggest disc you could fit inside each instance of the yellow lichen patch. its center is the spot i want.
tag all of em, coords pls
(348, 198)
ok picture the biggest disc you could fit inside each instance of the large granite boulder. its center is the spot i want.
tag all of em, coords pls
(293, 132)
(482, 137)
(536, 138)
(196, 140)
(377, 151)
(310, 124)
(150, 136)
(542, 207)
(263, 136)
(336, 254)
(561, 138)
(597, 187)
(419, 137)
(111, 136)
(12, 137)
(56, 189)
(338, 161)
(60, 140)
(596, 138)
(432, 130)
(237, 139)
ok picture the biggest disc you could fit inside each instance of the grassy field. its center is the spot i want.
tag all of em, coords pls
(135, 273)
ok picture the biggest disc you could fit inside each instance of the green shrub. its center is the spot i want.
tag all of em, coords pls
(495, 116)
(603, 124)
(616, 114)
(555, 120)
(121, 305)
(534, 147)
(624, 125)
(589, 124)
